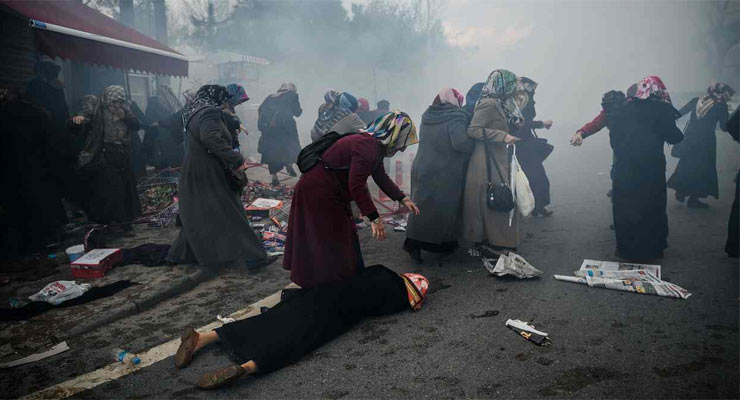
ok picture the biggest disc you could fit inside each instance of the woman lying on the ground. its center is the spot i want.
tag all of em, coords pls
(302, 322)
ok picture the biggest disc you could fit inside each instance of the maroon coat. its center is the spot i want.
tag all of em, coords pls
(322, 244)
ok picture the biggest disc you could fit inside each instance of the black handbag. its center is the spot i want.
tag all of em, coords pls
(541, 149)
(499, 196)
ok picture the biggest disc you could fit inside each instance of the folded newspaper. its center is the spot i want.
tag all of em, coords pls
(628, 277)
(511, 264)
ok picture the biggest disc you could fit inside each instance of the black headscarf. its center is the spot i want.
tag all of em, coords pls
(206, 96)
(472, 97)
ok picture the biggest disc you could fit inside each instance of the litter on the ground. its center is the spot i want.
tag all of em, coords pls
(628, 277)
(528, 332)
(58, 348)
(58, 292)
(511, 264)
(95, 263)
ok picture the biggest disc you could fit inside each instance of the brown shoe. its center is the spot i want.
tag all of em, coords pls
(188, 341)
(224, 376)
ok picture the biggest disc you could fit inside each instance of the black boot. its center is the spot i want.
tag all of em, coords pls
(291, 171)
(693, 202)
(414, 252)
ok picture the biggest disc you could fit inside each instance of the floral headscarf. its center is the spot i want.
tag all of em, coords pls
(114, 99)
(652, 87)
(189, 96)
(449, 96)
(417, 287)
(287, 87)
(238, 94)
(395, 130)
(346, 101)
(717, 92)
(206, 96)
(344, 104)
(501, 86)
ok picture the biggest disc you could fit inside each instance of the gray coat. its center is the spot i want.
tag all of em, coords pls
(481, 224)
(438, 175)
(215, 229)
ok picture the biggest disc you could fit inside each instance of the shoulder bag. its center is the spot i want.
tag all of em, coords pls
(499, 196)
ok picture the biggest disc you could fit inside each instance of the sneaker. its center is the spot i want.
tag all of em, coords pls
(543, 212)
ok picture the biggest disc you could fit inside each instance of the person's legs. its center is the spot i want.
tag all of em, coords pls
(226, 375)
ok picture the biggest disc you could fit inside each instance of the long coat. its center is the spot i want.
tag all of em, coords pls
(438, 175)
(322, 244)
(279, 142)
(696, 172)
(638, 135)
(215, 229)
(481, 224)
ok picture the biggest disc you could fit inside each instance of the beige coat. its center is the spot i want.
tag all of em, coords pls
(481, 224)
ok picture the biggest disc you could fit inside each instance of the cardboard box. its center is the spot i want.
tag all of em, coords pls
(261, 207)
(95, 263)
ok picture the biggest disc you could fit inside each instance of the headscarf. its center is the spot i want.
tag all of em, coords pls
(417, 287)
(526, 84)
(237, 93)
(652, 87)
(330, 96)
(114, 106)
(364, 104)
(206, 96)
(525, 88)
(47, 69)
(285, 88)
(472, 97)
(395, 130)
(449, 96)
(501, 86)
(114, 100)
(717, 92)
(344, 104)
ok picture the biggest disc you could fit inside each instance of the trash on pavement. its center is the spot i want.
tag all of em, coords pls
(511, 264)
(75, 252)
(95, 263)
(58, 348)
(528, 332)
(57, 292)
(225, 320)
(628, 277)
(261, 207)
(125, 357)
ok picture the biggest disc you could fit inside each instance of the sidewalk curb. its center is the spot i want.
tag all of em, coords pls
(130, 308)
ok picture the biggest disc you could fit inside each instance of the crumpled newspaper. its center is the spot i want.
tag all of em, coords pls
(511, 264)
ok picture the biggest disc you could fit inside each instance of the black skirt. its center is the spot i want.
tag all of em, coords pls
(308, 318)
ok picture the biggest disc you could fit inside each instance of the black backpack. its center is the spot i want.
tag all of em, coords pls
(311, 154)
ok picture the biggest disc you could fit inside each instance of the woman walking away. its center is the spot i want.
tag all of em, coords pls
(279, 142)
(532, 151)
(339, 118)
(215, 230)
(496, 114)
(638, 131)
(438, 176)
(696, 173)
(302, 322)
(106, 160)
(322, 244)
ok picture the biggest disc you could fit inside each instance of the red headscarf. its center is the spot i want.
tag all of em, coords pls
(364, 104)
(652, 86)
(449, 96)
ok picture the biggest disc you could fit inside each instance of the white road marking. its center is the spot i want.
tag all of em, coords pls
(151, 356)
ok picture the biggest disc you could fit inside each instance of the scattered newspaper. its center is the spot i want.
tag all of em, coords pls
(511, 264)
(638, 278)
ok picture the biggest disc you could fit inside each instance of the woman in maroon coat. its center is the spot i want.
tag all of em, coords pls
(322, 244)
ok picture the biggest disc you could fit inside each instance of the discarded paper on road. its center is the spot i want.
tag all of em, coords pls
(511, 264)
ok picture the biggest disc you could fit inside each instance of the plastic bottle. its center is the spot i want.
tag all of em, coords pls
(125, 357)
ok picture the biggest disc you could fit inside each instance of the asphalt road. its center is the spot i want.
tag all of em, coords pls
(604, 343)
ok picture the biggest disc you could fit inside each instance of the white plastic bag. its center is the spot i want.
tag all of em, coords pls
(58, 292)
(524, 195)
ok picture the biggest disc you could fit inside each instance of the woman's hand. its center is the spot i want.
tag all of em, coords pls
(547, 124)
(577, 139)
(410, 205)
(244, 166)
(79, 119)
(378, 229)
(509, 139)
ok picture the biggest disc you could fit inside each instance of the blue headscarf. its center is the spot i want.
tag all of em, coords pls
(346, 101)
(238, 94)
